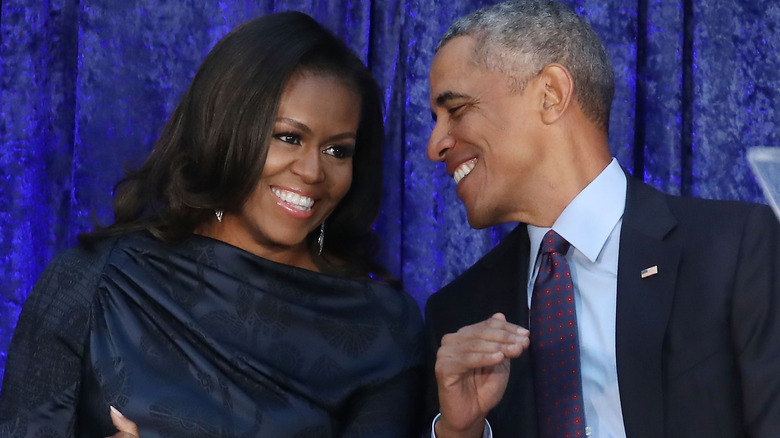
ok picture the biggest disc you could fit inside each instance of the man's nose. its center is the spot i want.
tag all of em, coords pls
(440, 142)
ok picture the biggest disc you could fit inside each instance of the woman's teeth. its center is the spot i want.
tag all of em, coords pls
(299, 202)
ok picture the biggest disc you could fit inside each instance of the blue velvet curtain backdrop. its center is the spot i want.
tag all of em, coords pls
(87, 85)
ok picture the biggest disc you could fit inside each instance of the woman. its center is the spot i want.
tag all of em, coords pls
(236, 293)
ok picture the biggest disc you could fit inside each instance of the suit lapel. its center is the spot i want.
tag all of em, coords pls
(507, 268)
(506, 275)
(644, 306)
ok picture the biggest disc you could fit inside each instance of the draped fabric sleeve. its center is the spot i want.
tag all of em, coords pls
(391, 409)
(203, 336)
(43, 373)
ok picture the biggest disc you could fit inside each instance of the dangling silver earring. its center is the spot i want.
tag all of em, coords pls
(219, 214)
(321, 239)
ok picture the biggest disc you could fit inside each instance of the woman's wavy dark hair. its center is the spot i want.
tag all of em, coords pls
(212, 151)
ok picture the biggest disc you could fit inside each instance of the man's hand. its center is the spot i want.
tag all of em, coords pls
(472, 370)
(126, 428)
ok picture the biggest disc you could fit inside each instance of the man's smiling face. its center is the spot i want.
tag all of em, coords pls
(489, 136)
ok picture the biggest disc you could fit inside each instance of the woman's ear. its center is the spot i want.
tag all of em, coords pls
(558, 90)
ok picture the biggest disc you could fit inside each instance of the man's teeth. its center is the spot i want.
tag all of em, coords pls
(299, 202)
(464, 169)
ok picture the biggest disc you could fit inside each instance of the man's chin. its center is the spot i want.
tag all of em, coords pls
(478, 222)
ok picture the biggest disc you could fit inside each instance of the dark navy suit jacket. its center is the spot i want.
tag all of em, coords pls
(698, 344)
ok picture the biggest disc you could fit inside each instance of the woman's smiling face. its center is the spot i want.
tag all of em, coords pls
(307, 171)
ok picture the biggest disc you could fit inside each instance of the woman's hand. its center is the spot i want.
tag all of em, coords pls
(127, 429)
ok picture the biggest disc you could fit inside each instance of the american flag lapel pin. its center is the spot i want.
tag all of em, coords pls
(649, 272)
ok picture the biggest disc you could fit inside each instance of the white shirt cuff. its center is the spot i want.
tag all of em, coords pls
(487, 432)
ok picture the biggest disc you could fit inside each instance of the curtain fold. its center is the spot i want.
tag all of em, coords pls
(86, 86)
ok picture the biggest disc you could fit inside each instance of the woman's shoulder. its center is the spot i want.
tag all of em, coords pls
(50, 334)
(72, 276)
(86, 260)
(89, 254)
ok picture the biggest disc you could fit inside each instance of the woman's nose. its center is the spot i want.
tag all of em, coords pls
(308, 165)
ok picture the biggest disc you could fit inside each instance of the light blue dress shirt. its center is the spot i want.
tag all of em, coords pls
(591, 223)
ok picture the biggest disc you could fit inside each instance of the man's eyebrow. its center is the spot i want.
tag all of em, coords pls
(447, 96)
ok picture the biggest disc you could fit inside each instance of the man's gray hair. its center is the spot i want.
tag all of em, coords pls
(519, 38)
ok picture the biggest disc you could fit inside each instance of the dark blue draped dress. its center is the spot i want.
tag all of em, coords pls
(202, 339)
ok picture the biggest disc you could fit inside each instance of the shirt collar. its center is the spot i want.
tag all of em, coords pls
(590, 217)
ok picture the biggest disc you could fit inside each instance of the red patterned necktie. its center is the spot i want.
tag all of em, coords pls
(555, 349)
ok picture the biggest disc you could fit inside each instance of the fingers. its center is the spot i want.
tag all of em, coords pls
(482, 345)
(126, 428)
(499, 316)
(494, 338)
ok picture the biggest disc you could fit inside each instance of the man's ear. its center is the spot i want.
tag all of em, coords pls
(558, 90)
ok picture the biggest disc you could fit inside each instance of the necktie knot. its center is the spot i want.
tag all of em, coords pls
(553, 242)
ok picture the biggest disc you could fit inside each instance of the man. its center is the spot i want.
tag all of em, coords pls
(677, 324)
